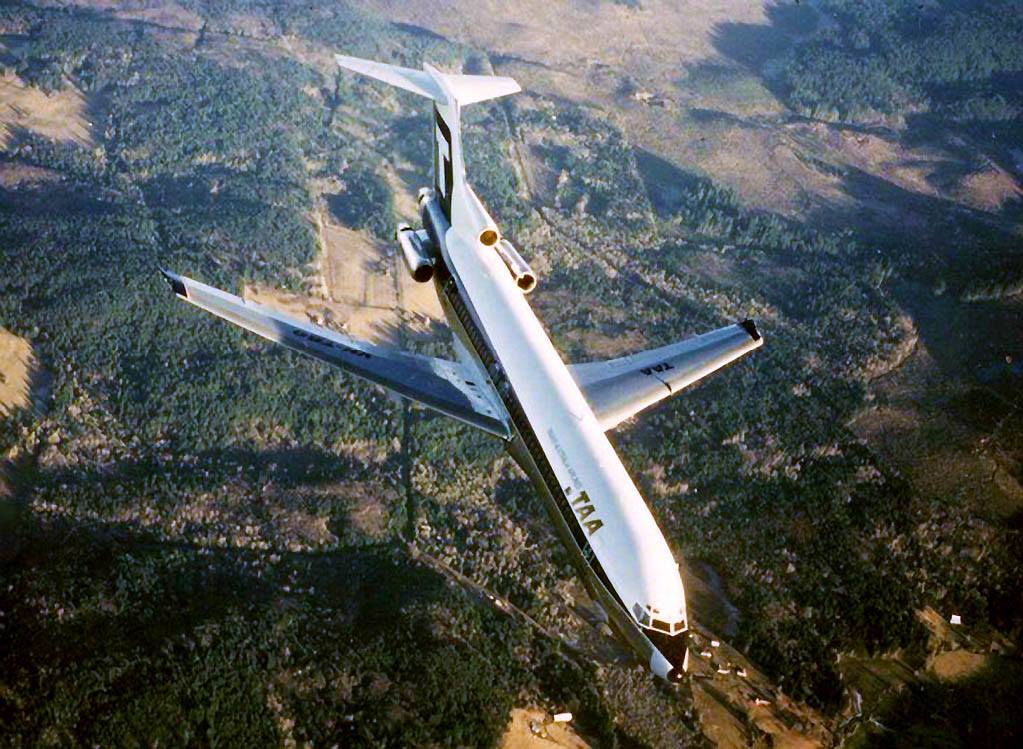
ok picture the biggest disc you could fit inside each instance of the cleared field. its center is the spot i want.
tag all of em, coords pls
(362, 288)
(59, 116)
(526, 731)
(655, 33)
(16, 363)
(367, 279)
(989, 189)
(682, 79)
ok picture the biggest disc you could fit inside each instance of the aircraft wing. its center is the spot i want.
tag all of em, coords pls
(444, 386)
(619, 388)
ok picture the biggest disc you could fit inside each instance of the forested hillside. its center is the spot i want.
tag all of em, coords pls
(220, 542)
(958, 61)
(940, 71)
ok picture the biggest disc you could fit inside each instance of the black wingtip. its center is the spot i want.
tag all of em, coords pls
(175, 282)
(751, 327)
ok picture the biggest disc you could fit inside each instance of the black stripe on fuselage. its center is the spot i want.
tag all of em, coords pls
(441, 165)
(478, 341)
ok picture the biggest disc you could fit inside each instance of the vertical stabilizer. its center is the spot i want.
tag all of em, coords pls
(449, 92)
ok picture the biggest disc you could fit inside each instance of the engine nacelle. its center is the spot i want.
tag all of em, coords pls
(418, 258)
(434, 221)
(524, 277)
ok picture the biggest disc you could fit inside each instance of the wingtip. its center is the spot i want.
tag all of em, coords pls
(751, 327)
(354, 64)
(175, 282)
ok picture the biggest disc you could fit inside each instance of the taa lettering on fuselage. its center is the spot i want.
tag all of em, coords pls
(583, 509)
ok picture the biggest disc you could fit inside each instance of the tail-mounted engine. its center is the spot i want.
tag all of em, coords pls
(524, 277)
(436, 226)
(416, 248)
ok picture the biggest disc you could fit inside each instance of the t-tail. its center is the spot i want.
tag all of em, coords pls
(449, 92)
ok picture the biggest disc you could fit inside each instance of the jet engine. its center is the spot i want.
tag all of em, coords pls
(416, 251)
(524, 277)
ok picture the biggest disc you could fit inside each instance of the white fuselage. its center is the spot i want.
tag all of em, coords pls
(612, 523)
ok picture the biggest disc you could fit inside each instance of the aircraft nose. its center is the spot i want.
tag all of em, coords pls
(670, 659)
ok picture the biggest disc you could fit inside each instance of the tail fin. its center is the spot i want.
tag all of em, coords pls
(449, 92)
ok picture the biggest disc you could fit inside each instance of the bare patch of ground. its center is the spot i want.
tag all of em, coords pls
(606, 346)
(609, 335)
(527, 730)
(876, 684)
(366, 506)
(20, 389)
(404, 194)
(306, 530)
(367, 277)
(360, 287)
(907, 168)
(59, 116)
(655, 33)
(989, 189)
(16, 364)
(14, 175)
(738, 706)
(958, 664)
(758, 163)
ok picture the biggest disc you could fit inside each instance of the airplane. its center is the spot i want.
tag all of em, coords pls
(508, 380)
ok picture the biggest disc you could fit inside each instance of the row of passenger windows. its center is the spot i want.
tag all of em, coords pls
(522, 423)
(645, 614)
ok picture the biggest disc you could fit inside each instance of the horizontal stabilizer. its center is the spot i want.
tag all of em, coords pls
(619, 388)
(417, 81)
(444, 386)
(469, 89)
(446, 88)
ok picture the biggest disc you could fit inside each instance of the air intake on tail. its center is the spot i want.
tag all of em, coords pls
(524, 277)
(475, 220)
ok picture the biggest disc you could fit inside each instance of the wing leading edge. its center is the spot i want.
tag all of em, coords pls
(619, 388)
(441, 385)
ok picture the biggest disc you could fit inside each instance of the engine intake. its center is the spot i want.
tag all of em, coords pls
(418, 258)
(524, 277)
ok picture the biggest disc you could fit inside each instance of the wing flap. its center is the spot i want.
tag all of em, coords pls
(444, 386)
(619, 388)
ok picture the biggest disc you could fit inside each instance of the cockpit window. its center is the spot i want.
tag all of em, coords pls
(650, 617)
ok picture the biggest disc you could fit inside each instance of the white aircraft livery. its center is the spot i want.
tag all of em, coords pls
(508, 380)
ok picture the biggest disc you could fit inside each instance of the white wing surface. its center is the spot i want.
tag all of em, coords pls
(444, 386)
(619, 388)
